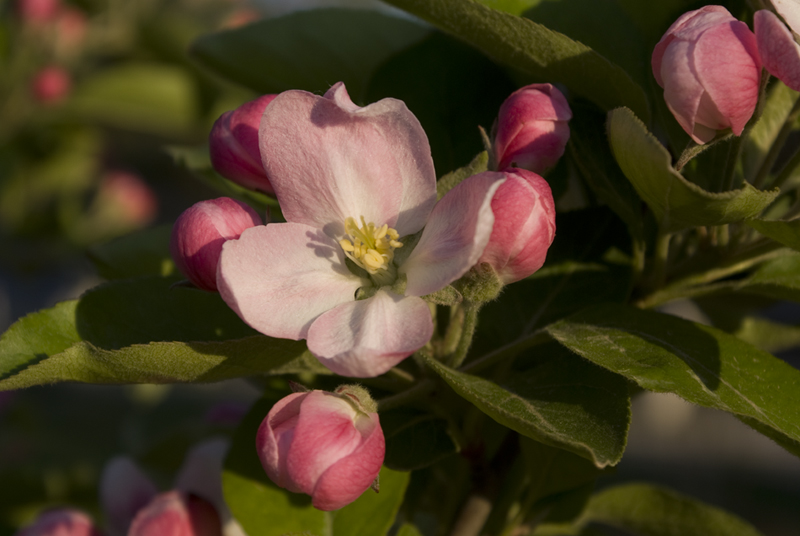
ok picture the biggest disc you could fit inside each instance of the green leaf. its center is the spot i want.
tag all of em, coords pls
(676, 203)
(652, 511)
(451, 88)
(373, 513)
(768, 336)
(785, 232)
(699, 363)
(261, 507)
(149, 97)
(534, 50)
(140, 253)
(763, 134)
(308, 50)
(415, 439)
(563, 402)
(553, 471)
(408, 530)
(452, 179)
(778, 278)
(588, 147)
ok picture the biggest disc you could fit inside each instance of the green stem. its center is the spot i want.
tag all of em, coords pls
(730, 164)
(473, 516)
(471, 309)
(659, 268)
(788, 170)
(777, 145)
(421, 388)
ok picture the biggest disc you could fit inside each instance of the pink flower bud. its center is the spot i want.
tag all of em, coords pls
(524, 225)
(709, 67)
(777, 47)
(71, 29)
(532, 128)
(38, 11)
(51, 85)
(233, 144)
(326, 445)
(62, 522)
(177, 514)
(200, 232)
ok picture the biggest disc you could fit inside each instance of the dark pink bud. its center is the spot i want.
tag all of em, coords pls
(38, 11)
(62, 522)
(51, 85)
(709, 67)
(777, 48)
(532, 128)
(200, 232)
(177, 514)
(233, 144)
(323, 444)
(134, 202)
(524, 225)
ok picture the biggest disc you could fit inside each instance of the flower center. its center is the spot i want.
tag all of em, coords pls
(372, 248)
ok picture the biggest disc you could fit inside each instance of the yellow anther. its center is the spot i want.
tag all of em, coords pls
(370, 247)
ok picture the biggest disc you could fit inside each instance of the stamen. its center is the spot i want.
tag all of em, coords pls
(371, 248)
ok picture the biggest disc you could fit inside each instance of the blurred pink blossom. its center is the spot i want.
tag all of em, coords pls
(134, 201)
(61, 522)
(51, 85)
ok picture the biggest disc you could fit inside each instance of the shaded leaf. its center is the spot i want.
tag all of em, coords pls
(652, 511)
(785, 232)
(563, 402)
(757, 144)
(373, 513)
(676, 203)
(452, 179)
(408, 530)
(533, 49)
(778, 278)
(768, 336)
(415, 439)
(699, 363)
(308, 50)
(140, 253)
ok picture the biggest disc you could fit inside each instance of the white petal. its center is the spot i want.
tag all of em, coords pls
(282, 276)
(790, 11)
(366, 338)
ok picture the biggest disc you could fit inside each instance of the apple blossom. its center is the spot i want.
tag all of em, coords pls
(524, 225)
(38, 11)
(355, 185)
(327, 445)
(777, 46)
(708, 64)
(199, 233)
(176, 514)
(532, 128)
(51, 85)
(233, 145)
(61, 522)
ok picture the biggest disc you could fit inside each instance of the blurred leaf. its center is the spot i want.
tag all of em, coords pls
(652, 511)
(533, 49)
(149, 97)
(198, 161)
(261, 507)
(308, 50)
(451, 88)
(415, 439)
(589, 149)
(778, 278)
(785, 232)
(408, 530)
(373, 513)
(454, 178)
(140, 253)
(699, 363)
(564, 402)
(763, 134)
(768, 336)
(677, 203)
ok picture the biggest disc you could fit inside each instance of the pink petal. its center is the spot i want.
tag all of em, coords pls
(790, 11)
(201, 473)
(329, 159)
(779, 52)
(727, 65)
(454, 237)
(124, 490)
(366, 338)
(282, 276)
(274, 439)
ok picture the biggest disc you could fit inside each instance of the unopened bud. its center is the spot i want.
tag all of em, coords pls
(51, 85)
(177, 514)
(62, 522)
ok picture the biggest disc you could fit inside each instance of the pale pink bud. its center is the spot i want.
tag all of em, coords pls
(524, 225)
(38, 11)
(51, 85)
(62, 522)
(233, 144)
(322, 444)
(200, 232)
(134, 202)
(177, 514)
(777, 48)
(709, 67)
(532, 128)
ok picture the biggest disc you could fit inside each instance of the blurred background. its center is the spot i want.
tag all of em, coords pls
(98, 101)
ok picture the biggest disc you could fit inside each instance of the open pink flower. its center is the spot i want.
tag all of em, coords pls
(355, 185)
(777, 46)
